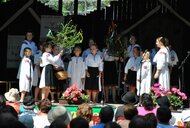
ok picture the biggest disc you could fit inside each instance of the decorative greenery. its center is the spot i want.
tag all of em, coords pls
(175, 96)
(73, 94)
(67, 36)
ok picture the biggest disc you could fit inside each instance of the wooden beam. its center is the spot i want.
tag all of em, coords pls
(140, 21)
(12, 18)
(35, 15)
(164, 3)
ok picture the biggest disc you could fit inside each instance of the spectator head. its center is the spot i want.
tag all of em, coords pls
(12, 95)
(59, 111)
(9, 109)
(146, 101)
(163, 101)
(151, 120)
(130, 111)
(79, 122)
(85, 111)
(2, 101)
(44, 105)
(129, 98)
(138, 122)
(112, 125)
(106, 114)
(29, 103)
(58, 123)
(7, 120)
(164, 115)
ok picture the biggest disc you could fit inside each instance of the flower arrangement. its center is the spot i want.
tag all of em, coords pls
(175, 96)
(67, 36)
(74, 95)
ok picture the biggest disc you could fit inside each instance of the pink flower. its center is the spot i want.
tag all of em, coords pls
(157, 85)
(184, 97)
(174, 90)
(75, 99)
(169, 93)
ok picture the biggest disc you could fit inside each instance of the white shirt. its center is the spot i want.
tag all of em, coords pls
(106, 56)
(130, 49)
(87, 52)
(30, 45)
(133, 64)
(94, 61)
(47, 58)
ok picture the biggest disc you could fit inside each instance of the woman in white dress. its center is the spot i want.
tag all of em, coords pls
(162, 59)
(76, 69)
(144, 74)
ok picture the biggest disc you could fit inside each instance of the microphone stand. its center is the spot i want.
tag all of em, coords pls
(181, 82)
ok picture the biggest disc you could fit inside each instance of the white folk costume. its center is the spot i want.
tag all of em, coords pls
(26, 44)
(130, 49)
(162, 59)
(110, 76)
(94, 64)
(26, 72)
(144, 74)
(174, 58)
(87, 52)
(76, 71)
(37, 68)
(131, 69)
(47, 75)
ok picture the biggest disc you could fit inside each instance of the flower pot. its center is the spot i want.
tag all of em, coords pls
(79, 101)
(63, 101)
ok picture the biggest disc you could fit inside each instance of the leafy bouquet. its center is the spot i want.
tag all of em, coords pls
(175, 96)
(74, 95)
(67, 36)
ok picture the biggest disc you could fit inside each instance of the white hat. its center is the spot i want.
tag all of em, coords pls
(12, 95)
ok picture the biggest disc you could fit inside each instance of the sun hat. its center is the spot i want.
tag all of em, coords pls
(59, 111)
(12, 95)
(129, 98)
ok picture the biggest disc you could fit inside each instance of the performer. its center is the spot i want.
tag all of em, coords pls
(76, 69)
(144, 74)
(88, 51)
(162, 59)
(37, 71)
(110, 74)
(47, 75)
(94, 68)
(26, 74)
(131, 69)
(59, 85)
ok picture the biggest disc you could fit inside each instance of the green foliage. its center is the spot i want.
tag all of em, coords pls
(67, 36)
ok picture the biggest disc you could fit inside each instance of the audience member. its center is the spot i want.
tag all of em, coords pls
(58, 123)
(112, 125)
(9, 109)
(2, 101)
(163, 101)
(147, 105)
(164, 115)
(79, 122)
(26, 117)
(138, 122)
(151, 120)
(129, 112)
(12, 97)
(41, 119)
(59, 111)
(127, 98)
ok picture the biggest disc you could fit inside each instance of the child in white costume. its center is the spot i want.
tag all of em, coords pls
(47, 75)
(144, 74)
(26, 74)
(76, 69)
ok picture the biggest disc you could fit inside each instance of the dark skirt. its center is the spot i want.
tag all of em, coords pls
(49, 76)
(131, 77)
(92, 82)
(110, 73)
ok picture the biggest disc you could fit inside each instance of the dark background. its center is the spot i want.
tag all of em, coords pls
(127, 12)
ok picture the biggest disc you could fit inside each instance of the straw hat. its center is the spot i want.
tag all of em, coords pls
(12, 95)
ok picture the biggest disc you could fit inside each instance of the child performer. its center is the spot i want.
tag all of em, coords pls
(76, 69)
(131, 69)
(59, 85)
(47, 75)
(144, 74)
(37, 71)
(26, 74)
(94, 68)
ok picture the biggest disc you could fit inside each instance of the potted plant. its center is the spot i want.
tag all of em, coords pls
(175, 96)
(73, 95)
